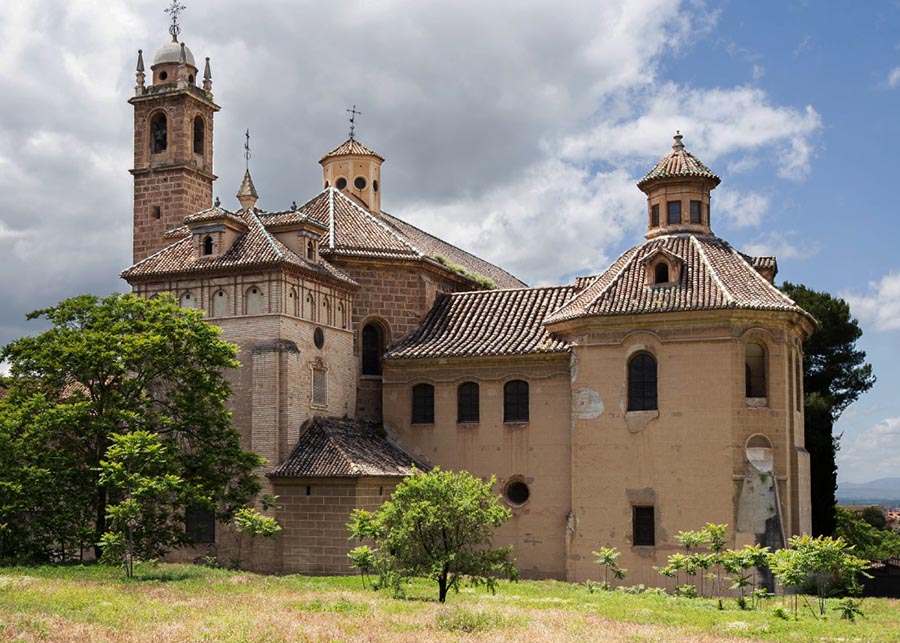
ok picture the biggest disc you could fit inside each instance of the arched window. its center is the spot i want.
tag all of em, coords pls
(254, 301)
(220, 304)
(755, 370)
(423, 404)
(661, 273)
(310, 251)
(515, 401)
(208, 246)
(159, 138)
(187, 301)
(309, 307)
(642, 383)
(292, 302)
(326, 312)
(199, 133)
(372, 349)
(342, 314)
(467, 407)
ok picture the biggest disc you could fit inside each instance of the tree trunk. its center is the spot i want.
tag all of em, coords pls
(100, 524)
(442, 585)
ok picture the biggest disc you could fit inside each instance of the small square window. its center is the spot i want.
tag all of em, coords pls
(643, 527)
(674, 209)
(696, 210)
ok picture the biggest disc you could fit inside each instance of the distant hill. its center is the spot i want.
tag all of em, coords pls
(885, 491)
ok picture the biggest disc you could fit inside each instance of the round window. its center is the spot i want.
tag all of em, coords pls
(375, 185)
(163, 75)
(517, 493)
(318, 338)
(360, 183)
(341, 183)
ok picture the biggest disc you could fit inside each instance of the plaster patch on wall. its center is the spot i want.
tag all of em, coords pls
(573, 366)
(587, 403)
(637, 421)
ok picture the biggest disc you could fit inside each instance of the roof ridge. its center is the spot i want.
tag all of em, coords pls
(615, 278)
(155, 254)
(355, 470)
(266, 234)
(757, 275)
(729, 296)
(389, 229)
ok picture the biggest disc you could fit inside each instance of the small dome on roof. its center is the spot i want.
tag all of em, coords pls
(170, 52)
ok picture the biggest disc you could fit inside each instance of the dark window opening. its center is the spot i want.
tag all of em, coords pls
(372, 349)
(308, 490)
(190, 78)
(359, 183)
(208, 246)
(515, 401)
(319, 338)
(375, 185)
(200, 526)
(467, 407)
(755, 371)
(674, 210)
(199, 133)
(643, 527)
(157, 212)
(341, 183)
(158, 133)
(423, 404)
(661, 273)
(696, 212)
(642, 383)
(310, 251)
(163, 75)
(654, 216)
(517, 493)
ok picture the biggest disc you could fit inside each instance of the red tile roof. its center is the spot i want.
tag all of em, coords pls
(351, 146)
(345, 447)
(489, 322)
(714, 276)
(679, 163)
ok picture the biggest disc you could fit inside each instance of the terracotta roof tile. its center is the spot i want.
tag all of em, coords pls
(677, 164)
(714, 276)
(488, 322)
(214, 213)
(351, 146)
(345, 447)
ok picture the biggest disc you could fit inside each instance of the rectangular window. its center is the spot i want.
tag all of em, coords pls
(654, 216)
(515, 401)
(423, 404)
(157, 212)
(696, 209)
(467, 402)
(200, 525)
(320, 387)
(643, 527)
(674, 208)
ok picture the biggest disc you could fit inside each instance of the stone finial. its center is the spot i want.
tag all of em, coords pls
(182, 67)
(139, 74)
(678, 145)
(207, 77)
(247, 194)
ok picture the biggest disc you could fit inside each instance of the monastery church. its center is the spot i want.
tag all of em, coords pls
(616, 410)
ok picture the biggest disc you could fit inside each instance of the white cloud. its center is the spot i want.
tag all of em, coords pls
(893, 78)
(759, 72)
(880, 305)
(739, 209)
(872, 453)
(782, 246)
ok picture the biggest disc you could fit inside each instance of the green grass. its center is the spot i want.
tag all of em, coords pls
(191, 603)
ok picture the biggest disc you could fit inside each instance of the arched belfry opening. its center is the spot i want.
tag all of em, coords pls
(199, 134)
(159, 133)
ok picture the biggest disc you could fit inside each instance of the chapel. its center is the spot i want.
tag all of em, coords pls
(616, 410)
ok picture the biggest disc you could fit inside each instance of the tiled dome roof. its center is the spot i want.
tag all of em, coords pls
(677, 164)
(351, 146)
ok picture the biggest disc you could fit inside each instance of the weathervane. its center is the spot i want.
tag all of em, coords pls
(173, 11)
(247, 148)
(353, 114)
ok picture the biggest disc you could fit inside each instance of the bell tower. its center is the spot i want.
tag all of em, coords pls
(173, 142)
(354, 169)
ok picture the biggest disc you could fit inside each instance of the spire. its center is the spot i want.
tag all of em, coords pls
(353, 114)
(139, 74)
(174, 10)
(207, 77)
(678, 145)
(247, 194)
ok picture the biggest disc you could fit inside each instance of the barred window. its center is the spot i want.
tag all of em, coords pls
(696, 212)
(643, 528)
(642, 393)
(467, 407)
(423, 404)
(515, 401)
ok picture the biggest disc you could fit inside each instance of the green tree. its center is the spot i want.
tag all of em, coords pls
(112, 367)
(248, 521)
(438, 525)
(870, 543)
(835, 374)
(138, 472)
(608, 558)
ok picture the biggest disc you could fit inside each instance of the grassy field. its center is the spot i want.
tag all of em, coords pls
(190, 603)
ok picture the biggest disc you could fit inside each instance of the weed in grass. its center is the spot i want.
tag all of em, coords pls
(466, 621)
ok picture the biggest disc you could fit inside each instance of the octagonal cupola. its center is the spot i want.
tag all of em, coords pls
(677, 190)
(355, 170)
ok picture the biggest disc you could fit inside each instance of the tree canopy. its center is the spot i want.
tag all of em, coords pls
(835, 374)
(438, 525)
(106, 368)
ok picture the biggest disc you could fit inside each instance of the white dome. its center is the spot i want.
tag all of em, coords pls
(171, 53)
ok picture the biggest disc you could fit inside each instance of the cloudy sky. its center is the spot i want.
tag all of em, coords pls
(514, 129)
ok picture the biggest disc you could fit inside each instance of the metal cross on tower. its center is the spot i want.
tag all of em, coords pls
(247, 148)
(353, 113)
(174, 11)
